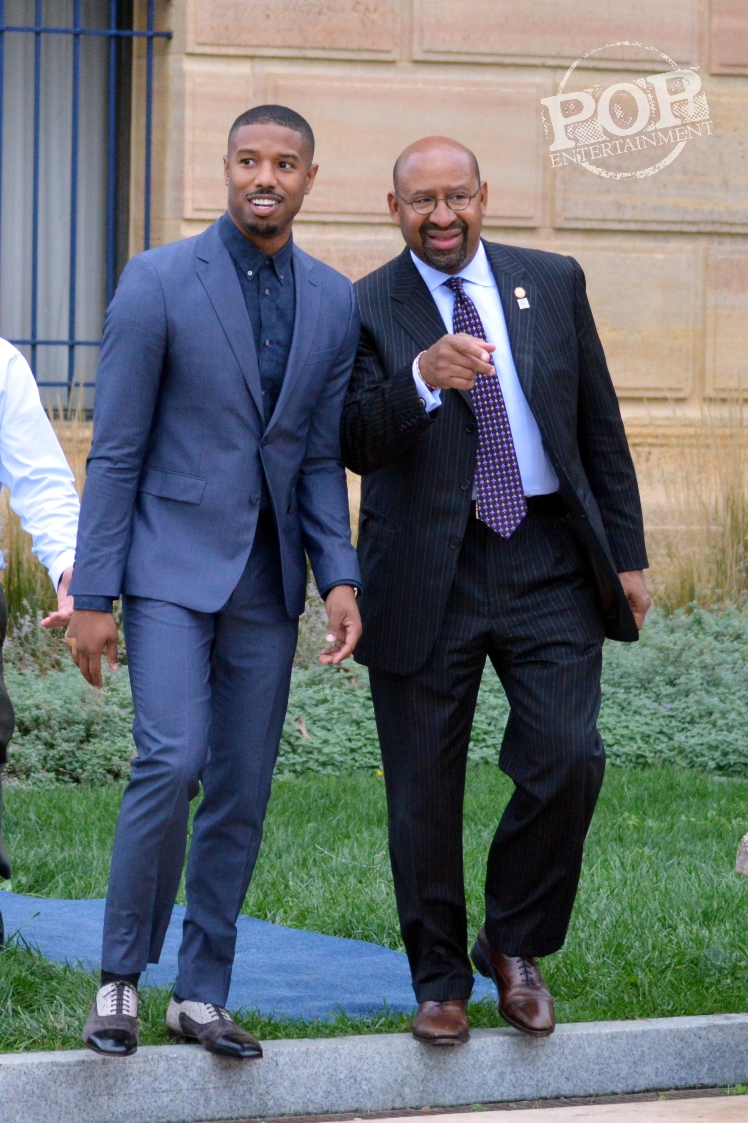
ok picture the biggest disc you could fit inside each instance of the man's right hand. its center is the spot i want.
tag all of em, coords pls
(88, 635)
(454, 360)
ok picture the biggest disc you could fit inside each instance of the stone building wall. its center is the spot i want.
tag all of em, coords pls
(666, 257)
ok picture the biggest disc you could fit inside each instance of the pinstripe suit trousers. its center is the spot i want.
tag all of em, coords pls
(528, 604)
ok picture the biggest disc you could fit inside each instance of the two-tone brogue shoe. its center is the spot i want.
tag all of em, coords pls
(213, 1027)
(112, 1026)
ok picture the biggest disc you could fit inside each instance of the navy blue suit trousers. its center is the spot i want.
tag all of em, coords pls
(210, 692)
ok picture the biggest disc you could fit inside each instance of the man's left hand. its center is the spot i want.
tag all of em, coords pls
(637, 594)
(61, 618)
(344, 624)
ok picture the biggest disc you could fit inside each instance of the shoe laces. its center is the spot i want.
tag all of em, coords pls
(118, 998)
(218, 1011)
(525, 963)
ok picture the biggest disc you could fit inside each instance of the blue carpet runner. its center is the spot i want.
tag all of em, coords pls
(281, 971)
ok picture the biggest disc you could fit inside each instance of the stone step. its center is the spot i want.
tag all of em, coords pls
(376, 1072)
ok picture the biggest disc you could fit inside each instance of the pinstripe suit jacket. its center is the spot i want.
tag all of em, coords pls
(418, 468)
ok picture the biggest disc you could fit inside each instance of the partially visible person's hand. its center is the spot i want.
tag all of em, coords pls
(344, 624)
(453, 361)
(61, 618)
(637, 594)
(90, 634)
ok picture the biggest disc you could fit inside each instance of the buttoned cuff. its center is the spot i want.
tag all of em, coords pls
(61, 563)
(430, 399)
(94, 604)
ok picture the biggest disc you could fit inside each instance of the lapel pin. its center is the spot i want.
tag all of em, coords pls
(521, 295)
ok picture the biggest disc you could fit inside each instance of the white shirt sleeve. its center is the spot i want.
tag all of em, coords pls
(430, 398)
(33, 467)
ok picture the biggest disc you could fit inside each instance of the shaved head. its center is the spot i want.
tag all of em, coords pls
(439, 202)
(431, 147)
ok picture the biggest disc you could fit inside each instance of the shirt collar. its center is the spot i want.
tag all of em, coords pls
(478, 271)
(249, 257)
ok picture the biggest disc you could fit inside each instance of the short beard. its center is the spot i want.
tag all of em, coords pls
(260, 231)
(446, 261)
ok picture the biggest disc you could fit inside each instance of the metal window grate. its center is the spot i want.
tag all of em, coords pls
(118, 93)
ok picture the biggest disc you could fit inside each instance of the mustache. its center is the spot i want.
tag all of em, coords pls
(431, 227)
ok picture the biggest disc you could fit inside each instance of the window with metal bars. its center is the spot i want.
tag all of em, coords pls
(73, 205)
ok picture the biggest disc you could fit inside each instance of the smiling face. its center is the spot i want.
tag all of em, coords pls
(438, 168)
(268, 171)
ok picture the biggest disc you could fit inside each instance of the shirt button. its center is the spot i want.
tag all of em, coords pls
(267, 292)
(254, 500)
(267, 342)
(249, 272)
(454, 543)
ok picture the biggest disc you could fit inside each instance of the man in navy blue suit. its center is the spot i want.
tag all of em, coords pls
(215, 468)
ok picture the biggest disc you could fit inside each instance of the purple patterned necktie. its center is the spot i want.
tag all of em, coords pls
(498, 484)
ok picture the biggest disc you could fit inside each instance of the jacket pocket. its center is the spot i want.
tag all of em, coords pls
(369, 517)
(172, 485)
(325, 355)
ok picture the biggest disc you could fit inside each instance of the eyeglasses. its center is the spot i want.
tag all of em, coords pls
(427, 204)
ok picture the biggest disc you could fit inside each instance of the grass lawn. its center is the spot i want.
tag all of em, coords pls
(660, 927)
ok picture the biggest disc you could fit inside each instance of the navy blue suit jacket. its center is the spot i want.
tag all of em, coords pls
(176, 466)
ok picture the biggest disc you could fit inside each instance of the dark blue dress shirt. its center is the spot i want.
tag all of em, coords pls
(270, 296)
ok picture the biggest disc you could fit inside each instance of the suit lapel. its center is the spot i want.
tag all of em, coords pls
(306, 316)
(520, 322)
(413, 306)
(218, 276)
(415, 309)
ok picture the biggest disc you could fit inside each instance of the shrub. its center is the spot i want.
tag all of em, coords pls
(679, 696)
(68, 732)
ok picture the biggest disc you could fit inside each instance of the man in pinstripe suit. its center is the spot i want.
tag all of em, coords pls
(500, 518)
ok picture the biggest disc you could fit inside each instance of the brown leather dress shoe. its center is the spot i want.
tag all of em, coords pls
(525, 1001)
(442, 1023)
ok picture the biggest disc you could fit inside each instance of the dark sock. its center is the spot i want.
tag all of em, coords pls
(113, 977)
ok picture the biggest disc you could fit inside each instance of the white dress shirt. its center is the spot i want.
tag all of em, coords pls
(535, 469)
(33, 467)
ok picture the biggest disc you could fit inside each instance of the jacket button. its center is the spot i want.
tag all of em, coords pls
(263, 443)
(454, 543)
(254, 500)
(470, 428)
(465, 484)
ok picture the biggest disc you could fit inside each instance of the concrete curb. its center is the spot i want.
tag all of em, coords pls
(375, 1072)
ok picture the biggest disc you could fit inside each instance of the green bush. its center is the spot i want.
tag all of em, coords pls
(67, 731)
(679, 696)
